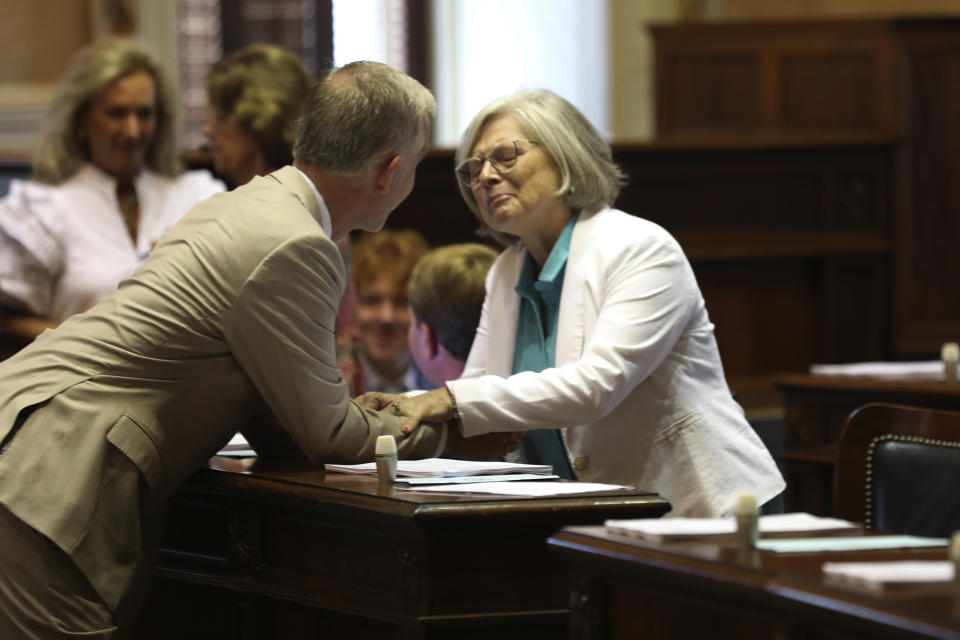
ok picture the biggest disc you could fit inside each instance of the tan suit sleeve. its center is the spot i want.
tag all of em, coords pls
(281, 331)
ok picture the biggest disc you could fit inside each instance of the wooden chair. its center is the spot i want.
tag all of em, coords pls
(898, 470)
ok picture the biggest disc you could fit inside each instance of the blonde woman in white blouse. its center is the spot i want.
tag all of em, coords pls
(107, 183)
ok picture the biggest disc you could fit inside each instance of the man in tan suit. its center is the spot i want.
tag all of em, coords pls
(232, 316)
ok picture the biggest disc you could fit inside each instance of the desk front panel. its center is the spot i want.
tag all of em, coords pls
(294, 552)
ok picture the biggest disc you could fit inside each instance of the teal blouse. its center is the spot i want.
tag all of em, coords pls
(536, 343)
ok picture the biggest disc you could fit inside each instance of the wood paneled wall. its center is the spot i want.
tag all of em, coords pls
(39, 37)
(897, 78)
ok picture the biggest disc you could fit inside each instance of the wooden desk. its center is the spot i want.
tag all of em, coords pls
(301, 554)
(815, 409)
(706, 590)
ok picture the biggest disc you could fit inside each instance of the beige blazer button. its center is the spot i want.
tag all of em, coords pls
(581, 463)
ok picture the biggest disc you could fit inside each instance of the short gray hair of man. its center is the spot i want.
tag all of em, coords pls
(63, 148)
(359, 112)
(589, 178)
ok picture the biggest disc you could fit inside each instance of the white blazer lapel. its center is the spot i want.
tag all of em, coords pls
(506, 303)
(571, 326)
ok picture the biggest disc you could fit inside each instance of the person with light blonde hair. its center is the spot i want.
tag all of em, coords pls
(107, 183)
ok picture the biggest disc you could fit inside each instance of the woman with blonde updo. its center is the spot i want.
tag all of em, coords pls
(255, 97)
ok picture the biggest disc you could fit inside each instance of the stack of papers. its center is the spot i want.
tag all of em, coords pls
(923, 370)
(849, 543)
(527, 489)
(445, 475)
(238, 447)
(883, 576)
(706, 528)
(497, 477)
(444, 468)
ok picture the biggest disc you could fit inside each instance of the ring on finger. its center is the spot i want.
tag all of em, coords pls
(396, 409)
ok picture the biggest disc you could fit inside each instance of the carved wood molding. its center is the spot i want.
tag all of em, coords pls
(587, 607)
(412, 578)
(244, 531)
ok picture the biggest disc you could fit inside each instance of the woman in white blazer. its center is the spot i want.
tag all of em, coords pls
(629, 373)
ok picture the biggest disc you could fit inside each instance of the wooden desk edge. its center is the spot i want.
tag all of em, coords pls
(805, 594)
(437, 508)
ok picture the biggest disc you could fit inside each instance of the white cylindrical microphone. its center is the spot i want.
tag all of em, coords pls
(748, 524)
(386, 456)
(950, 353)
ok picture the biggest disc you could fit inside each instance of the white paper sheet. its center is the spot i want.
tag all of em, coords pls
(851, 543)
(500, 477)
(237, 439)
(533, 489)
(237, 453)
(238, 447)
(443, 467)
(890, 575)
(927, 369)
(687, 528)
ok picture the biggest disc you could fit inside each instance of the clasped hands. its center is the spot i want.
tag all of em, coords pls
(437, 406)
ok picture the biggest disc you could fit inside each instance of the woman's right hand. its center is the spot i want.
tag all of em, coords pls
(432, 406)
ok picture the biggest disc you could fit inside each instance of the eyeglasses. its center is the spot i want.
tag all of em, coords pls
(503, 157)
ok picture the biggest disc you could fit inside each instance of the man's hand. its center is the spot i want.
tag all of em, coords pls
(376, 400)
(489, 446)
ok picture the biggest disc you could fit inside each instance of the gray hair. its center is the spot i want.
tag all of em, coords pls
(589, 178)
(357, 113)
(62, 149)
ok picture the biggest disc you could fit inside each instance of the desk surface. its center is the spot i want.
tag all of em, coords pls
(918, 385)
(629, 589)
(364, 491)
(297, 551)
